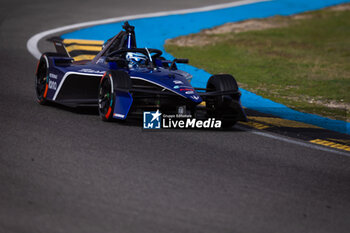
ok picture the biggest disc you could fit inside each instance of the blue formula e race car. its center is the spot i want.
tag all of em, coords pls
(123, 81)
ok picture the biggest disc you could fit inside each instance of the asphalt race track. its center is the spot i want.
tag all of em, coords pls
(63, 170)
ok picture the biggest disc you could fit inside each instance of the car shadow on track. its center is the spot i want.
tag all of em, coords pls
(84, 110)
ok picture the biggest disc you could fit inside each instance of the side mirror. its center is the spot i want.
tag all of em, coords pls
(178, 60)
(181, 60)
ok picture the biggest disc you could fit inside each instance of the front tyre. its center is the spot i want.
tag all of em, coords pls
(220, 107)
(111, 82)
(106, 97)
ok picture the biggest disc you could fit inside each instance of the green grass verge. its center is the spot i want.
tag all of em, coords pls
(304, 64)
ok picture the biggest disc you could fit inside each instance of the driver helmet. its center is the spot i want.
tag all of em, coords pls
(136, 59)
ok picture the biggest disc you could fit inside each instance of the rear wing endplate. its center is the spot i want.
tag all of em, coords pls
(60, 48)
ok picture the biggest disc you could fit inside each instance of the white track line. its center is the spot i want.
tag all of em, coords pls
(300, 143)
(291, 140)
(32, 46)
(32, 43)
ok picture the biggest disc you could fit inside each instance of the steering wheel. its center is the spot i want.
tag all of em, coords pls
(136, 50)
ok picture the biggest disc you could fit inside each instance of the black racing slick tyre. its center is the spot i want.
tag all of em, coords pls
(41, 77)
(41, 85)
(110, 82)
(220, 106)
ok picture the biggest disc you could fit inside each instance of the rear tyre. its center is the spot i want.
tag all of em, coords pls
(111, 81)
(220, 107)
(41, 79)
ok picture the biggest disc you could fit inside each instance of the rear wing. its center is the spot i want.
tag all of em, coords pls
(60, 48)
